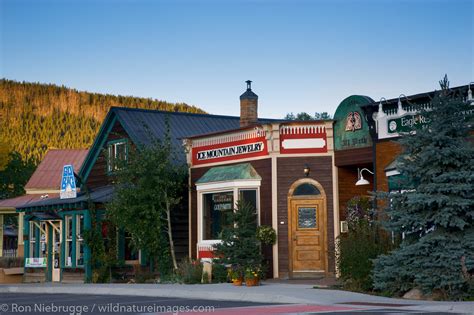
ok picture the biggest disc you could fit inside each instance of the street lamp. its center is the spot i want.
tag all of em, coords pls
(362, 180)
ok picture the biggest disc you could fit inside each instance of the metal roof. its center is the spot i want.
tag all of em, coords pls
(99, 195)
(145, 125)
(24, 200)
(48, 174)
(228, 173)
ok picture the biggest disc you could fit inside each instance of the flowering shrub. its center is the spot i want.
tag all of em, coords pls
(357, 209)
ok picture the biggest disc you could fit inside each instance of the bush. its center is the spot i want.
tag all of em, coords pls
(189, 271)
(11, 262)
(219, 273)
(364, 242)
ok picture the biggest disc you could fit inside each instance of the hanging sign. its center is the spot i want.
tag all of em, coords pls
(68, 183)
(407, 123)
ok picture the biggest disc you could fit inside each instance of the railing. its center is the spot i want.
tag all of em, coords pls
(9, 253)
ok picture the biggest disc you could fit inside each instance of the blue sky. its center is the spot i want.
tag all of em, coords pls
(301, 55)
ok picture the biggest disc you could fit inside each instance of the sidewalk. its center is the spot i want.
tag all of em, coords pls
(269, 292)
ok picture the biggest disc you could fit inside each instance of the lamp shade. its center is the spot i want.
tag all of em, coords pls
(362, 181)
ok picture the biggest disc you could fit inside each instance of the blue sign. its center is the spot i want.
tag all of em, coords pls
(68, 183)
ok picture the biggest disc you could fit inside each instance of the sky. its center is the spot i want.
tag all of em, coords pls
(301, 55)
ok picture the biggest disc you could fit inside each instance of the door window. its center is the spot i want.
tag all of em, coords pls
(307, 218)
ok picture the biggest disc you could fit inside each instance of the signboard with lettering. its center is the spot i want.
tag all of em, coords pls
(223, 201)
(35, 262)
(351, 130)
(407, 123)
(245, 147)
(68, 183)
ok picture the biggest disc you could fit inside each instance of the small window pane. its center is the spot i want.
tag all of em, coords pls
(306, 189)
(217, 210)
(249, 196)
(307, 218)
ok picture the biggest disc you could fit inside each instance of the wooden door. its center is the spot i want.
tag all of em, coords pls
(307, 235)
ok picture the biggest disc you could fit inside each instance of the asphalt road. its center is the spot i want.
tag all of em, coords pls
(72, 304)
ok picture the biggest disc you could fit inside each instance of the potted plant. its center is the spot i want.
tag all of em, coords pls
(252, 276)
(236, 275)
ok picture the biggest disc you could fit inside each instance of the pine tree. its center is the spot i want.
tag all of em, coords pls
(239, 244)
(436, 211)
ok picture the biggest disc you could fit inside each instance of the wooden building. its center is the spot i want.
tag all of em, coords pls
(54, 228)
(285, 169)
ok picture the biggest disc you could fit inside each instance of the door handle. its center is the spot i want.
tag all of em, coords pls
(295, 238)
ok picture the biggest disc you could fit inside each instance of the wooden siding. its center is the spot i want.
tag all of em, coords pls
(98, 175)
(353, 156)
(386, 152)
(347, 177)
(290, 170)
(264, 169)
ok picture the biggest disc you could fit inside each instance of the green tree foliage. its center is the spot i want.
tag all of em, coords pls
(14, 176)
(239, 244)
(148, 188)
(305, 116)
(436, 212)
(36, 117)
(357, 248)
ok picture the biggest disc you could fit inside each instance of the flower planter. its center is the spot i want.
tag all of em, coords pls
(11, 275)
(252, 282)
(237, 282)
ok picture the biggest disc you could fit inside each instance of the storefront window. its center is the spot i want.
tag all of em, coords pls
(43, 240)
(68, 245)
(217, 209)
(79, 240)
(32, 238)
(249, 196)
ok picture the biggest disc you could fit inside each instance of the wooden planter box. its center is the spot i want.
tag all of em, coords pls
(11, 275)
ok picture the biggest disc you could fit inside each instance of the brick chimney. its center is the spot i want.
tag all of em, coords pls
(248, 107)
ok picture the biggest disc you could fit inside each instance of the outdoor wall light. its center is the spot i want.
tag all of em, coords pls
(306, 170)
(362, 180)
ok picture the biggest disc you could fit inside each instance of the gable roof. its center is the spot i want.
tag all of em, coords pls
(143, 124)
(48, 173)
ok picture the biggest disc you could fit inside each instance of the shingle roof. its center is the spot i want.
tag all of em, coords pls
(48, 173)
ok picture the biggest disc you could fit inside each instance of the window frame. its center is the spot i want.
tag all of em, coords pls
(79, 239)
(68, 239)
(111, 165)
(222, 187)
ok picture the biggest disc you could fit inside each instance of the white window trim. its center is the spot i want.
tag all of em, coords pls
(218, 187)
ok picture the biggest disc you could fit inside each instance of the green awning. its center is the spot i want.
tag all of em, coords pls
(229, 173)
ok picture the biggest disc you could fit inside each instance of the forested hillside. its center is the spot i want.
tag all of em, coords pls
(36, 117)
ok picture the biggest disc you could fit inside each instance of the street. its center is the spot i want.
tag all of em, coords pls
(13, 303)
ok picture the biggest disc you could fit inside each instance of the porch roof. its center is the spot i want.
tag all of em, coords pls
(99, 195)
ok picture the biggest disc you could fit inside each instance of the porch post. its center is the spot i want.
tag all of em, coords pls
(1, 235)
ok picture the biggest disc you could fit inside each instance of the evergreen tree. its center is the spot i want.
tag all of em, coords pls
(239, 244)
(436, 211)
(14, 176)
